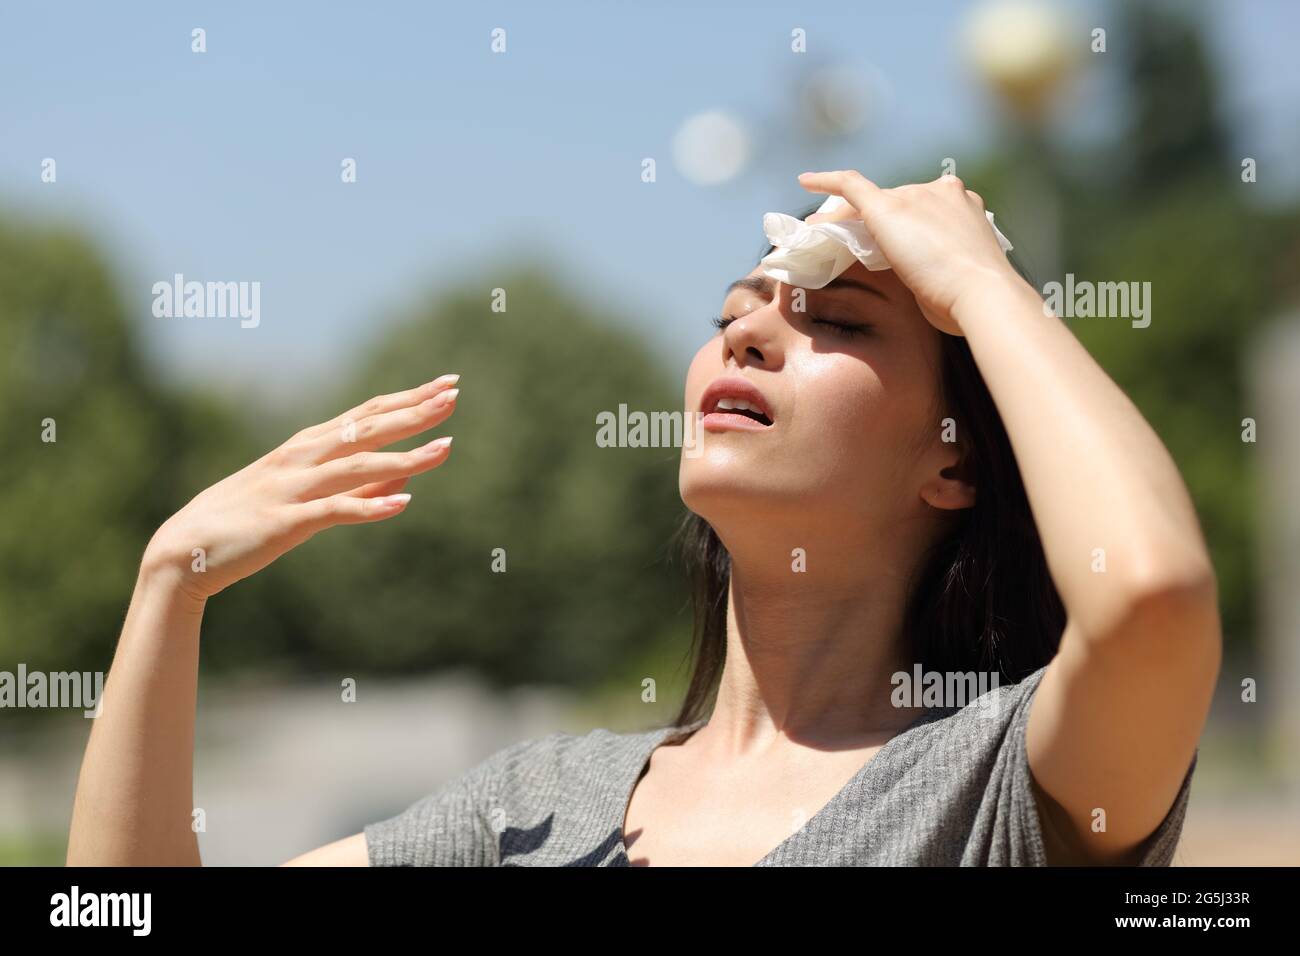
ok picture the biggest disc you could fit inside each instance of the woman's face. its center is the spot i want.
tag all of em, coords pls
(850, 380)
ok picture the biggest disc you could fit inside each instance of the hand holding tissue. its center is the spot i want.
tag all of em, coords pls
(811, 256)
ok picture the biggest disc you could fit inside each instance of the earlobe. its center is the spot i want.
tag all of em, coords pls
(948, 489)
(949, 494)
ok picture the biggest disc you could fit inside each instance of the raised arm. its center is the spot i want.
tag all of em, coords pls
(134, 800)
(1115, 722)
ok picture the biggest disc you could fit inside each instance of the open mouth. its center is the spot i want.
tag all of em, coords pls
(734, 403)
(735, 407)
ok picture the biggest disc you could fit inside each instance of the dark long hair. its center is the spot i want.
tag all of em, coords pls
(983, 599)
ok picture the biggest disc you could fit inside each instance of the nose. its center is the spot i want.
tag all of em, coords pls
(755, 338)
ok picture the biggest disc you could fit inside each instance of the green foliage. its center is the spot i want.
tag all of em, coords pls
(44, 849)
(1174, 127)
(77, 511)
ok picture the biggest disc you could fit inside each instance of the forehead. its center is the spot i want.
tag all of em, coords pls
(885, 280)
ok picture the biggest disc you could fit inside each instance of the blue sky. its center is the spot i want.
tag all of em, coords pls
(225, 165)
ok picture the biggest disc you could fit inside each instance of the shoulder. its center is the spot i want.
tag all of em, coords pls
(973, 760)
(986, 713)
(573, 758)
(978, 740)
(539, 771)
(515, 788)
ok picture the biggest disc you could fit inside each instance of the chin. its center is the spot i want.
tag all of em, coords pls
(723, 490)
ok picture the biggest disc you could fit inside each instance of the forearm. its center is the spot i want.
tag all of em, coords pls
(134, 799)
(135, 796)
(1103, 489)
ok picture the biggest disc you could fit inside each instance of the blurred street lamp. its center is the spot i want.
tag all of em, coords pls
(1025, 51)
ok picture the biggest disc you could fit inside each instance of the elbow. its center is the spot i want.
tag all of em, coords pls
(1168, 601)
(1188, 583)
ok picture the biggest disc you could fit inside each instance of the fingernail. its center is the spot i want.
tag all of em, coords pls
(438, 444)
(395, 501)
(446, 380)
(449, 396)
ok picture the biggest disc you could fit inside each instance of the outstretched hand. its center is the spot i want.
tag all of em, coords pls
(327, 474)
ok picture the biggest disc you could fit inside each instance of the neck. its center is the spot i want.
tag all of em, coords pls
(811, 651)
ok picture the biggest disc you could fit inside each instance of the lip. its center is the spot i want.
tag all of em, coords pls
(736, 388)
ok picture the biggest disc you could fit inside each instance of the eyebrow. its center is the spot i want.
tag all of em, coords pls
(767, 287)
(760, 284)
(848, 282)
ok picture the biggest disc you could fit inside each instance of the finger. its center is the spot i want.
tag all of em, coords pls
(376, 431)
(849, 184)
(382, 403)
(365, 467)
(314, 516)
(379, 489)
(839, 214)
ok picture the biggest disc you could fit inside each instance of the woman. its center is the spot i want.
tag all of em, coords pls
(858, 517)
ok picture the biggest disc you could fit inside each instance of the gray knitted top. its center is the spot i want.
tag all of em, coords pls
(952, 789)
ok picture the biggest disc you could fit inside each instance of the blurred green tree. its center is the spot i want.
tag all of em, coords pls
(1174, 127)
(78, 510)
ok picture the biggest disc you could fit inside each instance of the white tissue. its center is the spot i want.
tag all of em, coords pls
(813, 256)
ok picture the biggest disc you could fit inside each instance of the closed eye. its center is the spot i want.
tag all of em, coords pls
(846, 330)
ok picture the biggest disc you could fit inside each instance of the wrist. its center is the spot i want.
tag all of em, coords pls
(994, 293)
(165, 577)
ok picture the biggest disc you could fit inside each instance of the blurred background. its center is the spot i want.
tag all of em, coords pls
(609, 168)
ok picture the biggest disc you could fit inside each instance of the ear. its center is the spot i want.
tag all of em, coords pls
(949, 490)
